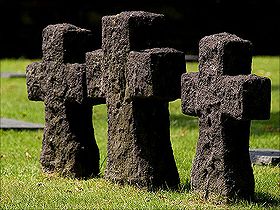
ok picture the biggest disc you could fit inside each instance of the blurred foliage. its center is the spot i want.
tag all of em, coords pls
(190, 20)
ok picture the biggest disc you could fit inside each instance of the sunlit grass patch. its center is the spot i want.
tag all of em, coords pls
(15, 65)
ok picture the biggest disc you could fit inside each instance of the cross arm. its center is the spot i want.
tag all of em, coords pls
(246, 97)
(34, 77)
(154, 73)
(189, 83)
(50, 80)
(95, 78)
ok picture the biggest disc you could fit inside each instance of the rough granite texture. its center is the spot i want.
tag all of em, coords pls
(225, 97)
(139, 76)
(69, 147)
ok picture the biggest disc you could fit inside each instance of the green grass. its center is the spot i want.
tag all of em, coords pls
(23, 186)
(15, 65)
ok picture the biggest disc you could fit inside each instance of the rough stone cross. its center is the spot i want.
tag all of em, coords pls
(69, 146)
(225, 97)
(138, 80)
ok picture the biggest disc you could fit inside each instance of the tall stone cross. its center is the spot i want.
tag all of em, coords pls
(69, 147)
(225, 97)
(138, 80)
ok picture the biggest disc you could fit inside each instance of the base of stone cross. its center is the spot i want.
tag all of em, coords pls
(17, 124)
(12, 75)
(265, 156)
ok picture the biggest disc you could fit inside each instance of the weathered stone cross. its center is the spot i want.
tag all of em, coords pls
(137, 81)
(225, 97)
(69, 146)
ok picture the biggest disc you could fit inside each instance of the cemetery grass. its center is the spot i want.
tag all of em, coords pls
(24, 186)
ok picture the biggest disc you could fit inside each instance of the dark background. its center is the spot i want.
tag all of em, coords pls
(190, 20)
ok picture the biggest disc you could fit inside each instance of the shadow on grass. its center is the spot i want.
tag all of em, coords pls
(275, 87)
(261, 127)
(185, 187)
(262, 199)
(183, 121)
(266, 200)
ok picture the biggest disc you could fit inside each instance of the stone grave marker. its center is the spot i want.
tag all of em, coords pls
(69, 147)
(6, 123)
(225, 97)
(265, 156)
(12, 75)
(138, 77)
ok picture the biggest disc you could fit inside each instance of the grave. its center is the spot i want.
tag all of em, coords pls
(225, 97)
(12, 75)
(69, 146)
(265, 157)
(6, 124)
(138, 76)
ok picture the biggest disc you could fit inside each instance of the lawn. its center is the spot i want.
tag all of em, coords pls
(24, 186)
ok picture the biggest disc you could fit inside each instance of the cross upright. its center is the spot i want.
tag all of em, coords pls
(69, 147)
(138, 78)
(225, 97)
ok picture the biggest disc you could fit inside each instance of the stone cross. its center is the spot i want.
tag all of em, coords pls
(138, 78)
(69, 147)
(225, 97)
